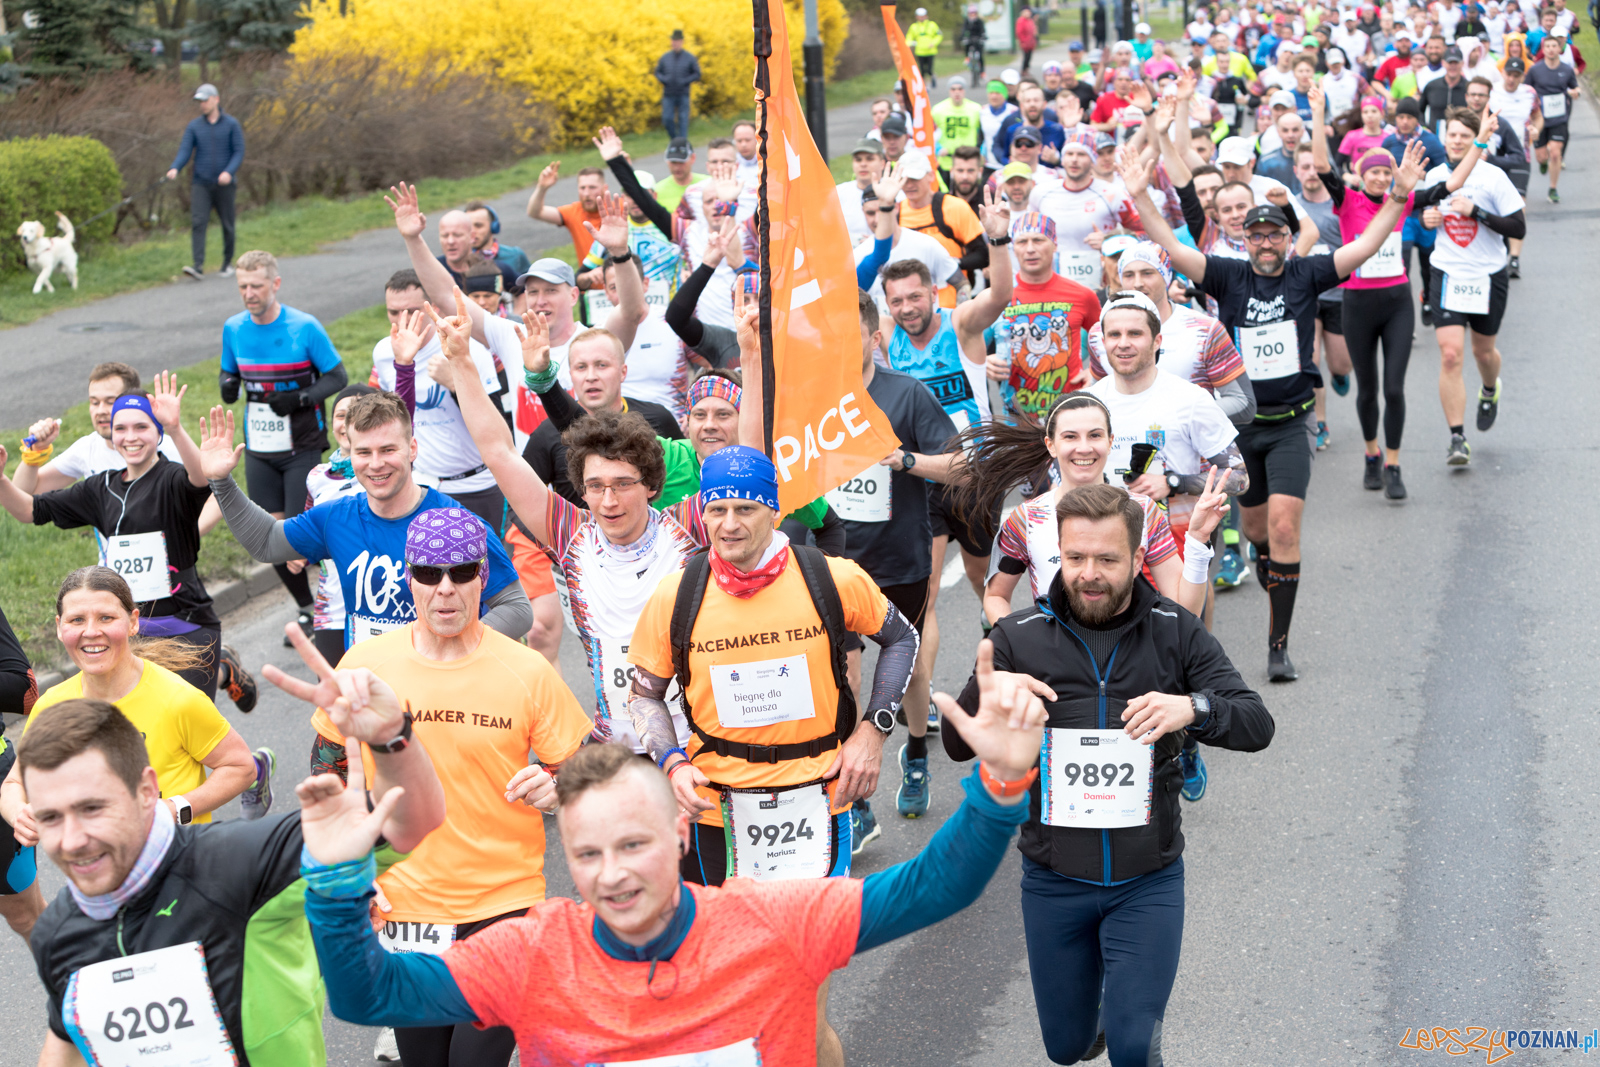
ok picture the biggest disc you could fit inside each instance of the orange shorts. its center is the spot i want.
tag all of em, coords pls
(532, 562)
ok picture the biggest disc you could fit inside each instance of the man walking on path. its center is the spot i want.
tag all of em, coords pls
(676, 70)
(215, 141)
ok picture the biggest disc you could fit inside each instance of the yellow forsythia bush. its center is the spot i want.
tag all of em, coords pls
(591, 66)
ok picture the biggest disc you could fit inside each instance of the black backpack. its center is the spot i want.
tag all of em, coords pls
(825, 597)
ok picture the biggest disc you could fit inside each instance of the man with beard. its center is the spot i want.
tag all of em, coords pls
(965, 178)
(1102, 882)
(1030, 99)
(1270, 304)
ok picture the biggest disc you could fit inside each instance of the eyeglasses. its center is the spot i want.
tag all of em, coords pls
(1259, 239)
(459, 575)
(598, 490)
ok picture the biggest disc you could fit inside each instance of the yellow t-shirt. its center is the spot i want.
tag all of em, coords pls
(768, 631)
(478, 717)
(179, 725)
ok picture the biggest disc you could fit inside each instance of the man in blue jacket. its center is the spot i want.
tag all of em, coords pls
(676, 70)
(215, 141)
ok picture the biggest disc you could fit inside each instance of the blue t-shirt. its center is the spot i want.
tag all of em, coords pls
(290, 352)
(942, 369)
(369, 558)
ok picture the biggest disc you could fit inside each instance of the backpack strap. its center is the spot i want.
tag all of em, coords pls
(825, 596)
(937, 209)
(685, 609)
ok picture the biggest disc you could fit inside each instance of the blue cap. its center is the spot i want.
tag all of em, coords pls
(739, 472)
(140, 402)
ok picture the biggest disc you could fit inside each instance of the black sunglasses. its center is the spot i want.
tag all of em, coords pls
(459, 575)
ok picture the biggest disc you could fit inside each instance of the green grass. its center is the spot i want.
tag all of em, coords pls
(34, 559)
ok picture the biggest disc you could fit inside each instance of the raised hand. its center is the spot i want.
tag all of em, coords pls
(747, 323)
(167, 400)
(408, 335)
(1008, 725)
(996, 214)
(1210, 509)
(717, 242)
(550, 175)
(1278, 195)
(608, 144)
(456, 331)
(535, 335)
(44, 432)
(1135, 174)
(613, 232)
(1140, 96)
(1166, 111)
(1314, 98)
(1412, 168)
(361, 705)
(1185, 86)
(1069, 110)
(888, 187)
(408, 216)
(218, 454)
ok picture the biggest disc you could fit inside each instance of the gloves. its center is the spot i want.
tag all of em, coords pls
(288, 403)
(229, 384)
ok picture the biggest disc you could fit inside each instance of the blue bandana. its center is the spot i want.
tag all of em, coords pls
(739, 472)
(140, 402)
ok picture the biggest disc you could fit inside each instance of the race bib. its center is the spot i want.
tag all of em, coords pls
(1385, 262)
(616, 674)
(365, 627)
(141, 559)
(1097, 779)
(1230, 113)
(1270, 351)
(1468, 296)
(763, 692)
(424, 939)
(151, 1009)
(266, 432)
(787, 833)
(1554, 106)
(739, 1054)
(1081, 267)
(864, 498)
(558, 576)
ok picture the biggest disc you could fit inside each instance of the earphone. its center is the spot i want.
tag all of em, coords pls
(494, 219)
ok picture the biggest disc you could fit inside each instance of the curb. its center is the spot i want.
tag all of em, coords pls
(227, 598)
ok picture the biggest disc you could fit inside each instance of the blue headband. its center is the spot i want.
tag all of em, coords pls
(739, 472)
(141, 403)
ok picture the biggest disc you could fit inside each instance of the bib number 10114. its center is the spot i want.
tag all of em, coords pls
(156, 1018)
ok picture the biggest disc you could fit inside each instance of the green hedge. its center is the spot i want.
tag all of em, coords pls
(42, 175)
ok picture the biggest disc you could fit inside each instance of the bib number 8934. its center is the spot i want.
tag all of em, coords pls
(779, 833)
(1096, 774)
(155, 1016)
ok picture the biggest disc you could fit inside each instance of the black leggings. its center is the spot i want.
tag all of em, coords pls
(1370, 316)
(330, 643)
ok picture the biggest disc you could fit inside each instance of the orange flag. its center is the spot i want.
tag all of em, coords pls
(911, 77)
(822, 428)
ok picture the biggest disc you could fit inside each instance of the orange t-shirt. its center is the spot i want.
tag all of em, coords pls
(573, 216)
(478, 717)
(765, 635)
(746, 976)
(963, 222)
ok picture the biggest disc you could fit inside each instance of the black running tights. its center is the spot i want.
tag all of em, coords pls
(1371, 316)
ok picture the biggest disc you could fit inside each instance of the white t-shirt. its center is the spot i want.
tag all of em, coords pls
(1341, 91)
(1077, 212)
(444, 447)
(1515, 106)
(1261, 185)
(1181, 419)
(1467, 247)
(911, 245)
(93, 454)
(989, 123)
(854, 218)
(749, 171)
(658, 366)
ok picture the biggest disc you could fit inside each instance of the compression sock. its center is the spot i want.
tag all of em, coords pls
(1462, 429)
(917, 747)
(1283, 582)
(299, 585)
(1262, 563)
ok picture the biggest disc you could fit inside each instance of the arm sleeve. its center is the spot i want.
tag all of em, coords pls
(264, 537)
(898, 642)
(1514, 225)
(649, 205)
(946, 876)
(830, 536)
(332, 380)
(1335, 186)
(509, 611)
(562, 409)
(680, 312)
(1193, 213)
(18, 686)
(405, 386)
(371, 987)
(867, 270)
(1237, 399)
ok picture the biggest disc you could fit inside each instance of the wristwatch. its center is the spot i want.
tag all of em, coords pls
(1202, 710)
(401, 740)
(184, 812)
(623, 258)
(996, 242)
(883, 720)
(1174, 484)
(908, 460)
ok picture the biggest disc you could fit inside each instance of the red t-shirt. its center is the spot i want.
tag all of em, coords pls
(1045, 324)
(747, 975)
(1390, 67)
(1108, 107)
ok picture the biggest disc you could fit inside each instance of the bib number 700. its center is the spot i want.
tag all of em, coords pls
(155, 1017)
(1096, 774)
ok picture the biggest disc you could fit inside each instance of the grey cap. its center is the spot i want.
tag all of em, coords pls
(549, 270)
(868, 144)
(895, 126)
(679, 150)
(205, 92)
(954, 80)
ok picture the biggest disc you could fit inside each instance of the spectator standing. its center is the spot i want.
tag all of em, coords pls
(924, 37)
(215, 141)
(676, 70)
(1027, 37)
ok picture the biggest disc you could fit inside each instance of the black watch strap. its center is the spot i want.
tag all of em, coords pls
(998, 241)
(399, 742)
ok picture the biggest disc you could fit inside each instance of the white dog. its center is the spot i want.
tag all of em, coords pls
(48, 254)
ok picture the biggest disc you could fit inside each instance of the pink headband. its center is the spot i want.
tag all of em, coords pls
(1377, 157)
(1372, 101)
(714, 385)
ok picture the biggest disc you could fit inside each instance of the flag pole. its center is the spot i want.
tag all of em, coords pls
(768, 369)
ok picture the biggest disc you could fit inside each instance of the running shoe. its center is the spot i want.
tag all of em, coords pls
(1233, 571)
(864, 826)
(1427, 314)
(1252, 551)
(1372, 477)
(1341, 384)
(1460, 453)
(387, 1050)
(232, 677)
(1322, 437)
(306, 623)
(1194, 770)
(912, 799)
(1393, 487)
(1516, 266)
(227, 270)
(193, 272)
(1280, 668)
(1488, 406)
(1555, 196)
(256, 801)
(933, 717)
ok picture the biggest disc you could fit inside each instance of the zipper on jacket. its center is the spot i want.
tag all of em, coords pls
(120, 913)
(1100, 681)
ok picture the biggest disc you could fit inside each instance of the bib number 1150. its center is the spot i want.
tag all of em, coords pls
(154, 1019)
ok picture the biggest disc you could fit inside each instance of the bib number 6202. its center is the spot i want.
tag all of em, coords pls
(779, 833)
(1096, 774)
(155, 1017)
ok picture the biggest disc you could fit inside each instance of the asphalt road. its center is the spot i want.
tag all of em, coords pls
(1417, 846)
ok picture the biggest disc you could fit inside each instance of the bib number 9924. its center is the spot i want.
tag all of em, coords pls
(154, 1019)
(785, 833)
(1097, 774)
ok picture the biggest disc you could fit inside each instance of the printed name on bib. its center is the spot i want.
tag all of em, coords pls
(1554, 106)
(1385, 262)
(1270, 351)
(152, 1007)
(141, 559)
(864, 498)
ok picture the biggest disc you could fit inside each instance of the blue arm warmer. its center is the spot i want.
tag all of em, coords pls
(946, 876)
(867, 270)
(371, 987)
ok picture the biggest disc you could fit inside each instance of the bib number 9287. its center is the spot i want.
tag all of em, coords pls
(154, 1019)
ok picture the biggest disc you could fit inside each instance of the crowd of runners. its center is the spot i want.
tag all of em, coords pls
(1100, 316)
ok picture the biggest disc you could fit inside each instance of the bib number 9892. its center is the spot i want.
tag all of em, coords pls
(1096, 774)
(155, 1019)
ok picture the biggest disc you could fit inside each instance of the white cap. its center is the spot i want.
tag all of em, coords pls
(1283, 98)
(646, 180)
(1143, 27)
(1010, 76)
(913, 166)
(1334, 53)
(922, 12)
(205, 92)
(1235, 151)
